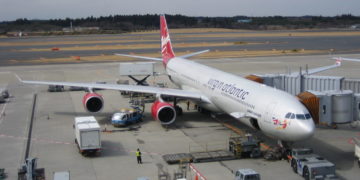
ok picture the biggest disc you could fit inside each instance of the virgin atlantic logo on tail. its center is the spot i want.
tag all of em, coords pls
(164, 41)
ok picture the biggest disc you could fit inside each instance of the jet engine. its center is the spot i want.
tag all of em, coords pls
(164, 112)
(93, 102)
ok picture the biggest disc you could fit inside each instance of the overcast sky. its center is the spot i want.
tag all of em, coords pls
(47, 9)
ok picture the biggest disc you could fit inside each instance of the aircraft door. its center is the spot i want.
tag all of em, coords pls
(270, 111)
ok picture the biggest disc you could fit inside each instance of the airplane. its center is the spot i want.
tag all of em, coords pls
(275, 113)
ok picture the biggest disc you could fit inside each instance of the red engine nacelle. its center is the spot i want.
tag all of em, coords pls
(164, 112)
(93, 102)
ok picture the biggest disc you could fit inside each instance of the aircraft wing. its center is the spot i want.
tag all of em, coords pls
(346, 59)
(320, 69)
(131, 88)
(338, 61)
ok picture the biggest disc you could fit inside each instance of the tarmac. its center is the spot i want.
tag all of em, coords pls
(53, 134)
(16, 51)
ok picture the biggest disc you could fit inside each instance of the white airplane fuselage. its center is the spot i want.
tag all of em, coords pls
(276, 113)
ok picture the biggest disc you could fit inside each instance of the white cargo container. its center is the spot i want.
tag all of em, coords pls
(87, 133)
(136, 69)
(63, 175)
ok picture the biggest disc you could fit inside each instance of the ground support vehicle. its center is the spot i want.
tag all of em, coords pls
(29, 170)
(311, 166)
(55, 88)
(2, 173)
(244, 147)
(357, 150)
(87, 135)
(246, 174)
(274, 153)
(63, 175)
(4, 94)
(127, 116)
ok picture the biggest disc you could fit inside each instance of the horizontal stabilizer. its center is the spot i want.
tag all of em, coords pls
(194, 54)
(140, 57)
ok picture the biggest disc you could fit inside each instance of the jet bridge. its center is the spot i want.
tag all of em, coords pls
(295, 84)
(331, 107)
(330, 99)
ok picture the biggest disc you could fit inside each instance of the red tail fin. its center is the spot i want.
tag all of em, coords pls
(166, 47)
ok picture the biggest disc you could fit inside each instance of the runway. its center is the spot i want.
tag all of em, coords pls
(37, 50)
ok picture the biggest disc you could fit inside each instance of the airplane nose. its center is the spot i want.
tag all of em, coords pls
(305, 129)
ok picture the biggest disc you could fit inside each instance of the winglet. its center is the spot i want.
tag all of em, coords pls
(166, 47)
(338, 61)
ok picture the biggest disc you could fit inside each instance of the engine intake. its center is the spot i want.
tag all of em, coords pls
(93, 102)
(164, 112)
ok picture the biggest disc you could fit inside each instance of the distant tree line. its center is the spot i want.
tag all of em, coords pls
(131, 23)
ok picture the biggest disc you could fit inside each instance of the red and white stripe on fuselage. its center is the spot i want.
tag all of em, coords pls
(166, 47)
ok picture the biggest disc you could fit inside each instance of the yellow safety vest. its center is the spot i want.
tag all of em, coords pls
(137, 153)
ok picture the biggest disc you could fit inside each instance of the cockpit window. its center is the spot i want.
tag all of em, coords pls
(307, 116)
(292, 116)
(288, 115)
(300, 116)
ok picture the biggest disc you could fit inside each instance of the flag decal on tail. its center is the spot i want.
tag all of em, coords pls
(166, 47)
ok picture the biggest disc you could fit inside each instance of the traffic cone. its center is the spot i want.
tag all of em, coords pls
(196, 177)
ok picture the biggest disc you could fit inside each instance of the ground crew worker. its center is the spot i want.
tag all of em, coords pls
(138, 156)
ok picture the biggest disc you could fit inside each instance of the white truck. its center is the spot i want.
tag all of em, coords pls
(246, 174)
(87, 135)
(357, 149)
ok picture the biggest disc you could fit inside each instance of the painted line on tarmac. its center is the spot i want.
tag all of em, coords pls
(68, 143)
(2, 115)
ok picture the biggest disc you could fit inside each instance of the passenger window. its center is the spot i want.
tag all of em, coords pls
(292, 116)
(307, 116)
(324, 109)
(359, 106)
(288, 115)
(300, 116)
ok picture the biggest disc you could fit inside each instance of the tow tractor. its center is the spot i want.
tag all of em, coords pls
(127, 116)
(311, 166)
